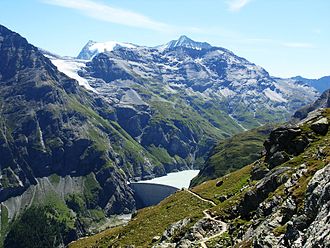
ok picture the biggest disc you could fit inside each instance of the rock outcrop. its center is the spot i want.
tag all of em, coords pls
(282, 143)
(292, 210)
(317, 210)
(321, 126)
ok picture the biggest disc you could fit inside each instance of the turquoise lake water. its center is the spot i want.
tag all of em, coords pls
(179, 179)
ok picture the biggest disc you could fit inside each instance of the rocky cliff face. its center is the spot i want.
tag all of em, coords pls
(293, 219)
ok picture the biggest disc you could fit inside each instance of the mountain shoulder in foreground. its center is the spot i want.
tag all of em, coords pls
(280, 200)
(233, 153)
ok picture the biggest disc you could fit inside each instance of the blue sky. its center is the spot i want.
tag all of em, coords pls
(286, 37)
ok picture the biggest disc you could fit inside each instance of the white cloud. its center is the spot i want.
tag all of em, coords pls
(237, 5)
(111, 14)
(298, 45)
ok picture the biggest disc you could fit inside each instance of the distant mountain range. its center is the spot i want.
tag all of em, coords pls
(322, 84)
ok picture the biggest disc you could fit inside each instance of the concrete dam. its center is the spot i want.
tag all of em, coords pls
(149, 194)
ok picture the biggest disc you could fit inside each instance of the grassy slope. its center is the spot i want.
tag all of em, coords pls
(153, 221)
(149, 222)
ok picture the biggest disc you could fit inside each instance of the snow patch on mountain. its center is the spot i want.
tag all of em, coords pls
(70, 67)
(92, 48)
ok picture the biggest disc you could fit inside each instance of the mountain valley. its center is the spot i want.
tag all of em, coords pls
(74, 131)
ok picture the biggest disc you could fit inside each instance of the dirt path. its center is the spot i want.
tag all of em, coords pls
(223, 225)
(201, 198)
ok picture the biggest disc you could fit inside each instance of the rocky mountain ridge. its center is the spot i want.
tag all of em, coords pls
(185, 42)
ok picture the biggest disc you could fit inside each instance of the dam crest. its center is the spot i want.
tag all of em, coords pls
(149, 194)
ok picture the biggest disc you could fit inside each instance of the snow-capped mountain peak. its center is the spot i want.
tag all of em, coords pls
(92, 48)
(198, 70)
(186, 42)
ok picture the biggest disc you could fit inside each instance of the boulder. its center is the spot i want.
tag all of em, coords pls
(184, 244)
(155, 239)
(222, 198)
(219, 183)
(174, 229)
(291, 235)
(252, 199)
(321, 126)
